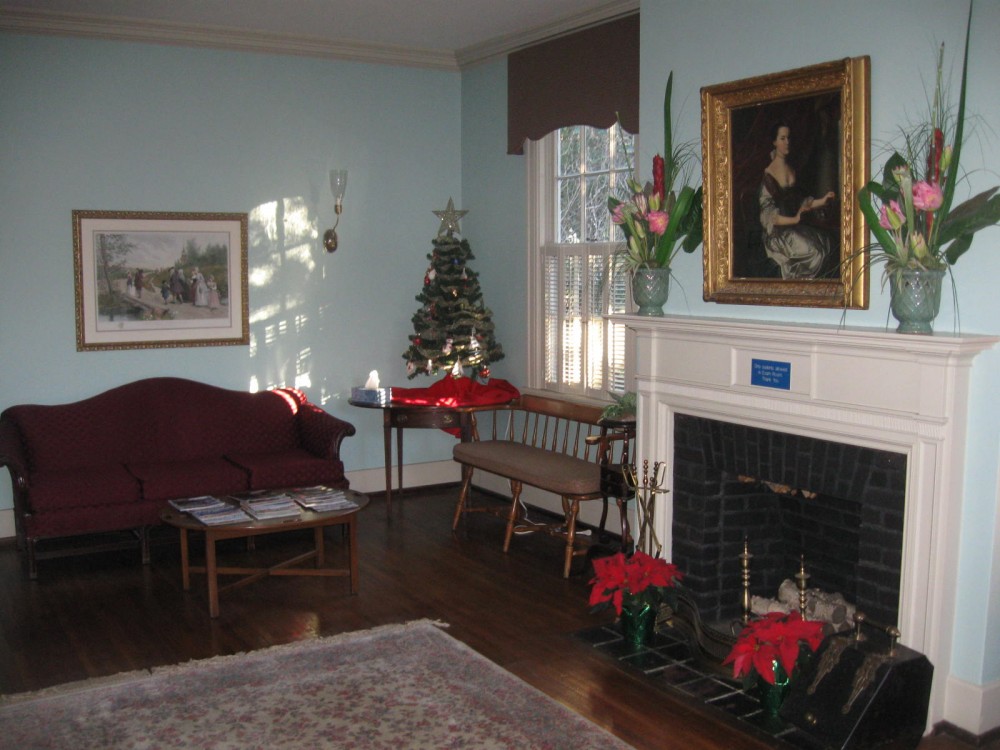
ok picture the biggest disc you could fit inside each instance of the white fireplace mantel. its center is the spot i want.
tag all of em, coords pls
(867, 387)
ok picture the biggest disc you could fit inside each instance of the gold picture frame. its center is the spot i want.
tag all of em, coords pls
(749, 258)
(149, 280)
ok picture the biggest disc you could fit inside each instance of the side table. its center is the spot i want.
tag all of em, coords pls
(401, 416)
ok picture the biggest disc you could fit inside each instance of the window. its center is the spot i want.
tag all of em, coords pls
(573, 349)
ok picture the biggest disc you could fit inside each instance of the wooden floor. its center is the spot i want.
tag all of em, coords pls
(105, 613)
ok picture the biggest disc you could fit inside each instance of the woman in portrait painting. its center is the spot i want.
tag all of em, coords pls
(799, 249)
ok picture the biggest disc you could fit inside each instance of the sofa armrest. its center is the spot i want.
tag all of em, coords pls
(322, 433)
(12, 453)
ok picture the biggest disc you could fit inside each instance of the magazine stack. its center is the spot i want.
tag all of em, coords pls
(210, 510)
(322, 499)
(267, 505)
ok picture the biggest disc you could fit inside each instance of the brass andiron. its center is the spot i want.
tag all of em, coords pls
(802, 580)
(646, 491)
(745, 600)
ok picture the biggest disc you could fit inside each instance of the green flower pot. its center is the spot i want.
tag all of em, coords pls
(772, 696)
(915, 299)
(638, 622)
(650, 289)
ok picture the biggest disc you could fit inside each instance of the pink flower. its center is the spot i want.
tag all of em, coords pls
(657, 221)
(927, 196)
(891, 216)
(618, 214)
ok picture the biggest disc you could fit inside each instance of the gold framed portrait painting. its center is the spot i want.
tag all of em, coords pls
(784, 156)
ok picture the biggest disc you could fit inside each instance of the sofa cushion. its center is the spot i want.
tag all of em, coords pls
(73, 488)
(547, 470)
(92, 518)
(173, 479)
(290, 468)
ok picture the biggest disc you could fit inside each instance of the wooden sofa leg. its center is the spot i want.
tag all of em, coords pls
(463, 496)
(32, 560)
(515, 512)
(144, 544)
(572, 509)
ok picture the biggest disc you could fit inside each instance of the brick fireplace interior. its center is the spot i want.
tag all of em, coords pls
(841, 506)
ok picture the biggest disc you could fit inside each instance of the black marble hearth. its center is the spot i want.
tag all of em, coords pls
(668, 665)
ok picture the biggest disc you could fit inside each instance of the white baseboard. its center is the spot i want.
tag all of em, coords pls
(414, 475)
(974, 708)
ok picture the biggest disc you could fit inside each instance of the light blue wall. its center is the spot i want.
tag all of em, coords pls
(714, 41)
(116, 126)
(493, 186)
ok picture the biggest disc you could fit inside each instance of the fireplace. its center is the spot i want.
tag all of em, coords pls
(834, 507)
(898, 402)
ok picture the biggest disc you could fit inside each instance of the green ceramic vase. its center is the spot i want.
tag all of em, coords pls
(915, 299)
(650, 289)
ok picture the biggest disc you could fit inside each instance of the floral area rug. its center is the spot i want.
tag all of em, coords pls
(396, 686)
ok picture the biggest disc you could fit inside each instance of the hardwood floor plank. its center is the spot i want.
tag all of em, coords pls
(105, 613)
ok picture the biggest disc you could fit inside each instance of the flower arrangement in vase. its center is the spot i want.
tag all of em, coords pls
(919, 234)
(658, 219)
(770, 648)
(634, 585)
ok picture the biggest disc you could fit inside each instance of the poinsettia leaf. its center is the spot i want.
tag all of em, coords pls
(763, 662)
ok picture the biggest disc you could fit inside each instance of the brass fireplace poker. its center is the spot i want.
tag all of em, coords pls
(645, 495)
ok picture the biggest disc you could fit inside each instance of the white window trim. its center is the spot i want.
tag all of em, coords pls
(541, 221)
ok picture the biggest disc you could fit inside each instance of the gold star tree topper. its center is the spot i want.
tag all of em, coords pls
(449, 220)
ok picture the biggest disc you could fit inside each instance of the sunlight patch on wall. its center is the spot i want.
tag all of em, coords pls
(284, 244)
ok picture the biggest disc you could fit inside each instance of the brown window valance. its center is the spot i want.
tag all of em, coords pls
(583, 78)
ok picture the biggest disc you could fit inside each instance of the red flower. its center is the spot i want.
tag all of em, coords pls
(776, 637)
(658, 178)
(618, 577)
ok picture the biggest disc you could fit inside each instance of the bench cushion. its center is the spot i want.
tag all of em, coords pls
(545, 469)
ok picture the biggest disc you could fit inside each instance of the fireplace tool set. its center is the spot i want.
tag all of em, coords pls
(645, 490)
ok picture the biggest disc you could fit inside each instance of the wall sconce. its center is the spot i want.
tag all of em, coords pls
(338, 184)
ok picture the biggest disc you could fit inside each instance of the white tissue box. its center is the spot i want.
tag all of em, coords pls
(380, 396)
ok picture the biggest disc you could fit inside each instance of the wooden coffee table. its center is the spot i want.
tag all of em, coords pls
(307, 519)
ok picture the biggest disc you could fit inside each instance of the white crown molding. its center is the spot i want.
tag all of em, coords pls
(26, 21)
(504, 45)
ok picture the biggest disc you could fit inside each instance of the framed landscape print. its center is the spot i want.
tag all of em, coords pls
(784, 156)
(146, 280)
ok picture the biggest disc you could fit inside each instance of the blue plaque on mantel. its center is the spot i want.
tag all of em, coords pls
(769, 374)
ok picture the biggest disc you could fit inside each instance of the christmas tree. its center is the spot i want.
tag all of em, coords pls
(453, 330)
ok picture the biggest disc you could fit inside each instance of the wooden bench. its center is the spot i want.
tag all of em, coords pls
(554, 445)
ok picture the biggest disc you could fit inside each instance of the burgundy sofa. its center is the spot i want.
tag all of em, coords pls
(110, 462)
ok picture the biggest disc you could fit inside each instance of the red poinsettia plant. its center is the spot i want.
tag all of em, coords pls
(631, 580)
(774, 639)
